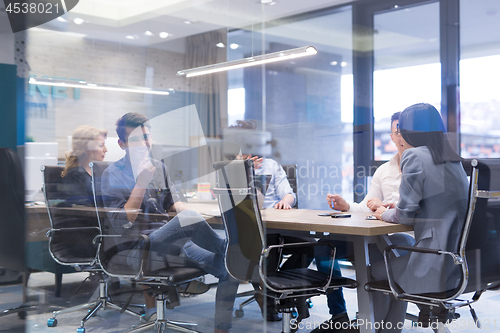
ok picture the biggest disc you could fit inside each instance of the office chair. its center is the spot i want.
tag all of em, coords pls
(476, 257)
(74, 226)
(12, 222)
(162, 274)
(291, 174)
(247, 254)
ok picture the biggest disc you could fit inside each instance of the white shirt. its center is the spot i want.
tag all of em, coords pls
(278, 186)
(384, 185)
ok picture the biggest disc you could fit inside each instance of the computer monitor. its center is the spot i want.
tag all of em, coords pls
(37, 154)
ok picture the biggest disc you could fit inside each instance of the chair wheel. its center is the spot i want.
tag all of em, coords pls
(239, 313)
(52, 322)
(309, 303)
(21, 314)
(80, 330)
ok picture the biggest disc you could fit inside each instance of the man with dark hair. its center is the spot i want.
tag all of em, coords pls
(384, 188)
(137, 183)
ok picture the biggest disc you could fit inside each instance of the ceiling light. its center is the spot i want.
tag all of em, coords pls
(246, 62)
(396, 6)
(78, 21)
(334, 63)
(164, 34)
(61, 19)
(221, 45)
(131, 37)
(84, 85)
(190, 21)
(233, 46)
(149, 33)
(343, 64)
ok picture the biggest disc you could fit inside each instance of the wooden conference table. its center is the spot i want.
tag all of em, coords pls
(307, 223)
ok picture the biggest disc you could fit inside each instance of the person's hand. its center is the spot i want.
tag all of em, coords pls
(146, 175)
(389, 205)
(374, 203)
(257, 161)
(336, 202)
(282, 205)
(379, 212)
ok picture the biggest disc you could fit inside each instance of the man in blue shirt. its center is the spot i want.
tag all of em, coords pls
(139, 184)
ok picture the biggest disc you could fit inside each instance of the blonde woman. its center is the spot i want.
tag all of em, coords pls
(88, 145)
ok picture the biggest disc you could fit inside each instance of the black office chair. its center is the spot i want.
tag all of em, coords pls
(162, 274)
(12, 222)
(476, 257)
(247, 255)
(74, 226)
(291, 174)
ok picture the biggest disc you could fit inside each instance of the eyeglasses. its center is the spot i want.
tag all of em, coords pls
(398, 130)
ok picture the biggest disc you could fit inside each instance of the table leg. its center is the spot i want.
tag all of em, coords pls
(365, 299)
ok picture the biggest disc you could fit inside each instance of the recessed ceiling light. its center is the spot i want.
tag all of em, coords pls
(148, 33)
(164, 34)
(60, 19)
(334, 63)
(132, 37)
(78, 21)
(221, 45)
(268, 2)
(190, 21)
(233, 46)
(396, 6)
(343, 64)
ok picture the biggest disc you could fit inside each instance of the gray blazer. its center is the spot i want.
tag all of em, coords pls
(433, 198)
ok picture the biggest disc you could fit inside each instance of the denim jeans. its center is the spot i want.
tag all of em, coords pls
(322, 255)
(207, 249)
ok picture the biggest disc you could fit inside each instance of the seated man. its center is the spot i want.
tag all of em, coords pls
(279, 195)
(384, 188)
(137, 183)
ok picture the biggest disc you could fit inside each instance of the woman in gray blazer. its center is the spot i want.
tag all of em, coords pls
(433, 198)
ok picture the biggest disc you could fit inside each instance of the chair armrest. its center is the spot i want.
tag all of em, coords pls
(266, 251)
(457, 259)
(49, 232)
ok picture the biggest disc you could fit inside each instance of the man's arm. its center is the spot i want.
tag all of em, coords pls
(133, 204)
(285, 203)
(283, 189)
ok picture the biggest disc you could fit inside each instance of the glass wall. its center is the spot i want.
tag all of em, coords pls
(479, 73)
(305, 103)
(407, 68)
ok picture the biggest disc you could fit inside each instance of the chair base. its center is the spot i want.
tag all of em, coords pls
(102, 302)
(161, 324)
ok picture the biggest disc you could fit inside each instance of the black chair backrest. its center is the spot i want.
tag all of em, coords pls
(482, 247)
(116, 254)
(12, 214)
(113, 251)
(291, 174)
(241, 217)
(73, 220)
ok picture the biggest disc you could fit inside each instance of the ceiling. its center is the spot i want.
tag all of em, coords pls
(114, 20)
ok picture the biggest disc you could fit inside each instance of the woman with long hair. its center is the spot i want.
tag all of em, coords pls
(88, 144)
(433, 198)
